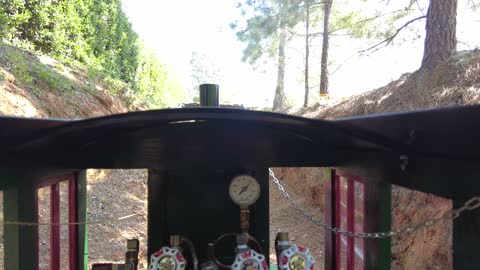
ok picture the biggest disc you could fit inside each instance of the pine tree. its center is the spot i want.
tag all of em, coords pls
(203, 70)
(440, 40)
(325, 44)
(307, 52)
(279, 100)
(266, 32)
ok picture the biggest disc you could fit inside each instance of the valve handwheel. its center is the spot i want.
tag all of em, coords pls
(249, 260)
(256, 256)
(167, 258)
(296, 258)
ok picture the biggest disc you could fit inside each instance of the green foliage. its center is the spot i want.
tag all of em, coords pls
(264, 21)
(153, 83)
(53, 79)
(30, 71)
(385, 24)
(93, 33)
(3, 22)
(474, 5)
(350, 24)
(204, 70)
(20, 66)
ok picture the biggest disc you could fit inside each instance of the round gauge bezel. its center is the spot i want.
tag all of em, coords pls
(233, 196)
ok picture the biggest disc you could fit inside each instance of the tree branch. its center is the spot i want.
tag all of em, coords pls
(464, 43)
(419, 8)
(303, 35)
(389, 39)
(337, 69)
(473, 5)
(377, 16)
(308, 5)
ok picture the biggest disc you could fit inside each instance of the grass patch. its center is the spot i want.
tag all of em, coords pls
(29, 71)
(114, 86)
(53, 79)
(41, 74)
(20, 65)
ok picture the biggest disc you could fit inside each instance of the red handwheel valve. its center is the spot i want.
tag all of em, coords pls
(292, 257)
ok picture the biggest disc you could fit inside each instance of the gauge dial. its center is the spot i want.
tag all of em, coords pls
(244, 190)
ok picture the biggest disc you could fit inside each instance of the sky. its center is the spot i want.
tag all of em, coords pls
(175, 29)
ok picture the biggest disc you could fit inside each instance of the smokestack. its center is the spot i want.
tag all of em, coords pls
(209, 95)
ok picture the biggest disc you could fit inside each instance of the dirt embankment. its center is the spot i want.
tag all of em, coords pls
(456, 82)
(18, 101)
(37, 86)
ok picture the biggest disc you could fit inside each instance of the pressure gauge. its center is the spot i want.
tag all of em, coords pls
(244, 190)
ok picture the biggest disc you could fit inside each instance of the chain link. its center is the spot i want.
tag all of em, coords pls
(472, 204)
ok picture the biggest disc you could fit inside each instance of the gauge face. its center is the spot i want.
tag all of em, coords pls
(244, 190)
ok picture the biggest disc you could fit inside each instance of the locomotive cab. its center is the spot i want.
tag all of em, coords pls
(209, 173)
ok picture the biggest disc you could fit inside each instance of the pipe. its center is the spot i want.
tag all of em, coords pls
(209, 95)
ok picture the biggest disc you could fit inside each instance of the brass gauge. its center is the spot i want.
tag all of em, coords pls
(244, 190)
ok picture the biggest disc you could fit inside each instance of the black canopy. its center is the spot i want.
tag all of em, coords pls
(223, 138)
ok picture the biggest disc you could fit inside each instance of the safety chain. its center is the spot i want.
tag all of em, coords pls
(470, 205)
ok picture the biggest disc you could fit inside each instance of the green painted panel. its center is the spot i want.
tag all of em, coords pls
(385, 224)
(378, 219)
(11, 233)
(20, 241)
(82, 217)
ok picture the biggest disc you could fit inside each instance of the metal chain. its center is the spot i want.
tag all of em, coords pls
(452, 214)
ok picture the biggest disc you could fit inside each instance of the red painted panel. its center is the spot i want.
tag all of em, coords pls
(330, 220)
(359, 225)
(72, 218)
(337, 190)
(350, 223)
(54, 227)
(50, 181)
(337, 221)
(54, 184)
(349, 214)
(347, 174)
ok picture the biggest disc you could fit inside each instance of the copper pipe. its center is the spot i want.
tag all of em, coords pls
(244, 219)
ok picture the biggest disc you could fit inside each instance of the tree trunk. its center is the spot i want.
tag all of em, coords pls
(440, 40)
(307, 53)
(279, 100)
(324, 63)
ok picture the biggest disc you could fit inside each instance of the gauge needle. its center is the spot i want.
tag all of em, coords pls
(243, 189)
